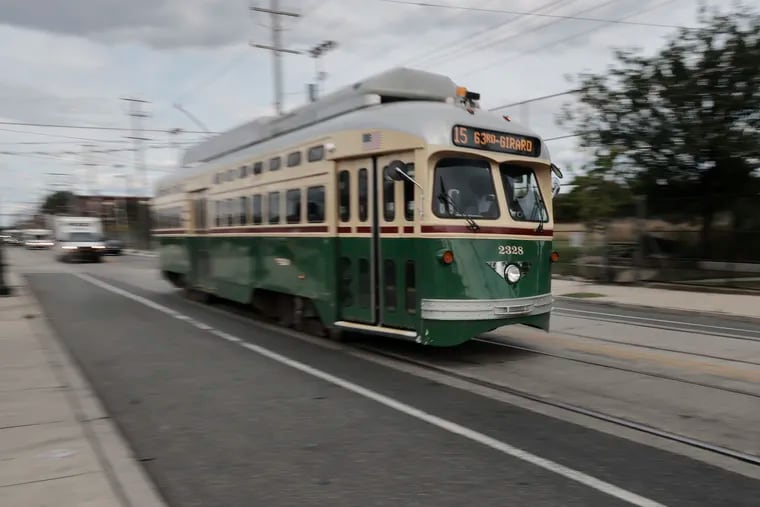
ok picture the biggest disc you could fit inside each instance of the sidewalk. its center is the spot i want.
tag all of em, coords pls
(141, 253)
(664, 299)
(58, 447)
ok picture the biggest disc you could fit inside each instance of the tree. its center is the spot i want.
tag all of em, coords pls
(597, 196)
(685, 122)
(58, 202)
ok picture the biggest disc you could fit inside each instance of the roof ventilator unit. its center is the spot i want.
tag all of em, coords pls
(399, 84)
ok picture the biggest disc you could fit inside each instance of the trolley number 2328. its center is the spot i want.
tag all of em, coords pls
(511, 250)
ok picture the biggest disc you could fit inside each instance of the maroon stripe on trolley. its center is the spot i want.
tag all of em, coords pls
(344, 229)
(388, 229)
(262, 230)
(168, 231)
(408, 229)
(463, 229)
(364, 229)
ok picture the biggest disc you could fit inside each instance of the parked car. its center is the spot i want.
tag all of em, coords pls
(114, 247)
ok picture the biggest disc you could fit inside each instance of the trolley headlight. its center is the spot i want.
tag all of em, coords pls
(512, 273)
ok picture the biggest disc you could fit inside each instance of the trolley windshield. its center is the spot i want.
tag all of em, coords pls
(464, 189)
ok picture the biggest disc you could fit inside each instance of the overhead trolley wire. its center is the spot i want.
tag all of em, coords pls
(532, 29)
(467, 40)
(93, 127)
(526, 52)
(506, 11)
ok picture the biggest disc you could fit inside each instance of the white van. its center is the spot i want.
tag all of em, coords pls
(79, 238)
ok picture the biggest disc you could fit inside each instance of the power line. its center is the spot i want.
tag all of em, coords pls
(532, 29)
(91, 127)
(524, 53)
(522, 13)
(16, 131)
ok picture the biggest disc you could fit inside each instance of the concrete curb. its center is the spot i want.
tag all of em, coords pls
(128, 480)
(660, 309)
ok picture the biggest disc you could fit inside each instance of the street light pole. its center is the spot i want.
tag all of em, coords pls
(316, 52)
(4, 289)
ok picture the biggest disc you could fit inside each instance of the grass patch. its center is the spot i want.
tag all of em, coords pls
(583, 295)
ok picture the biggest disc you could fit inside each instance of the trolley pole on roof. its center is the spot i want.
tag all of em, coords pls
(276, 48)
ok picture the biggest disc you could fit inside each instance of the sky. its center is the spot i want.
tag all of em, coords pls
(71, 63)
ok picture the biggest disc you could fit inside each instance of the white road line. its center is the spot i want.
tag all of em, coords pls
(444, 424)
(649, 319)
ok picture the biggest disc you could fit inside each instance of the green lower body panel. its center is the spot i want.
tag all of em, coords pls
(442, 333)
(399, 284)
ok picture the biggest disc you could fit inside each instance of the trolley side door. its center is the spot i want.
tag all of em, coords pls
(395, 239)
(356, 263)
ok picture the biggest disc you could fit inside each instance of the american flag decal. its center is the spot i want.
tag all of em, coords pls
(371, 141)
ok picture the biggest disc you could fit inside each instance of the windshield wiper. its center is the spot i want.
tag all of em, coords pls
(446, 199)
(541, 211)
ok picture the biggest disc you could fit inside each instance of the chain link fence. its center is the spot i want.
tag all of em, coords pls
(665, 245)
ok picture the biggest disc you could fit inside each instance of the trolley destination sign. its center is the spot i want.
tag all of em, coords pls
(491, 140)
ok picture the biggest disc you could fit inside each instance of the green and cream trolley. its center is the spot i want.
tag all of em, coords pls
(395, 207)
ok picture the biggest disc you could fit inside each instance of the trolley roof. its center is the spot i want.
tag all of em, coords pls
(401, 99)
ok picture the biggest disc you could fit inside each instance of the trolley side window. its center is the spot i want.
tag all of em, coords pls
(228, 212)
(217, 213)
(275, 163)
(316, 153)
(243, 209)
(344, 196)
(293, 206)
(315, 204)
(363, 196)
(274, 207)
(257, 167)
(464, 188)
(257, 214)
(389, 199)
(294, 159)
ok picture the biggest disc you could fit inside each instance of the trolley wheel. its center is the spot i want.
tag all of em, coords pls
(336, 334)
(286, 311)
(196, 295)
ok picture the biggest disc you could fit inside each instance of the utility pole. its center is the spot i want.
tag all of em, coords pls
(316, 52)
(276, 47)
(90, 179)
(136, 115)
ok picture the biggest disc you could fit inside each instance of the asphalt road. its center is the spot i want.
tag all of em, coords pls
(218, 424)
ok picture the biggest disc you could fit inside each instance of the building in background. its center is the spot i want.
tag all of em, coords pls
(123, 218)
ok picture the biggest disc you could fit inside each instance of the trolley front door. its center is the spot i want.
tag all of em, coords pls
(375, 252)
